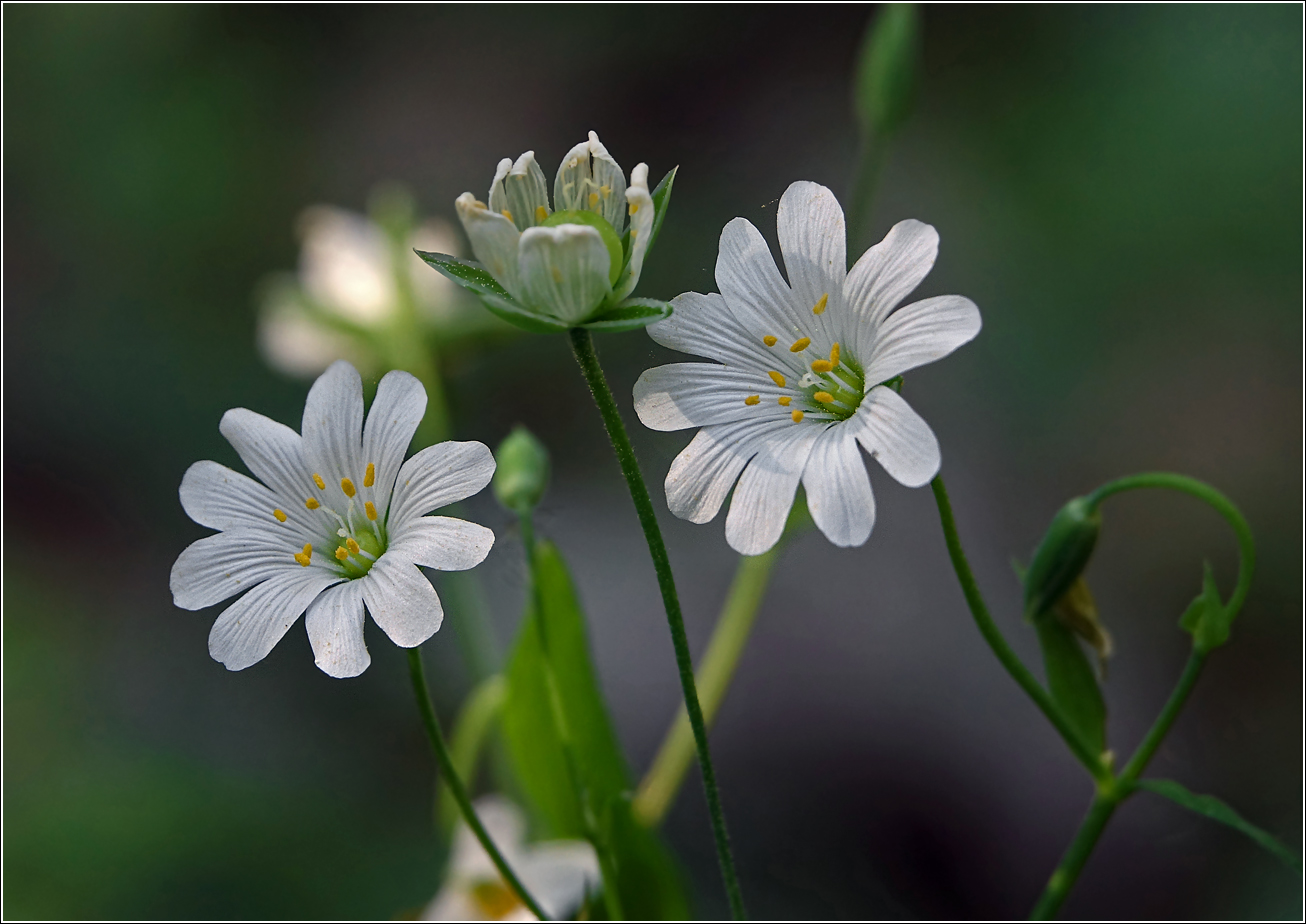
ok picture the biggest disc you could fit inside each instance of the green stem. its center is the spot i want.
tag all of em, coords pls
(717, 667)
(1161, 727)
(988, 628)
(583, 346)
(1061, 881)
(455, 783)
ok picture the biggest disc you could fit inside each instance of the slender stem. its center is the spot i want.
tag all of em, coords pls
(715, 670)
(583, 346)
(1161, 727)
(455, 783)
(1063, 878)
(988, 628)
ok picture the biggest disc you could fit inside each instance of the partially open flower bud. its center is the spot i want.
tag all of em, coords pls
(1062, 555)
(523, 471)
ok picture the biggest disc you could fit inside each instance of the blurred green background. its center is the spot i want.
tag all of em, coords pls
(1119, 189)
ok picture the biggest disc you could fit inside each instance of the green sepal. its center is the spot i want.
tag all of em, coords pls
(1207, 618)
(477, 279)
(884, 88)
(1061, 555)
(1072, 681)
(1220, 811)
(661, 199)
(631, 314)
(521, 473)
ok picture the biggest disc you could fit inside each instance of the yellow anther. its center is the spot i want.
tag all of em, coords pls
(317, 480)
(353, 546)
(606, 190)
(819, 307)
(541, 213)
(305, 556)
(800, 345)
(634, 207)
(371, 510)
(834, 355)
(312, 503)
(280, 515)
(824, 397)
(784, 400)
(348, 487)
(342, 553)
(769, 340)
(506, 214)
(594, 199)
(369, 477)
(479, 204)
(753, 399)
(796, 415)
(557, 274)
(822, 365)
(777, 378)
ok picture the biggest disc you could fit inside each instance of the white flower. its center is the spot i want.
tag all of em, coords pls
(558, 874)
(564, 265)
(801, 377)
(336, 525)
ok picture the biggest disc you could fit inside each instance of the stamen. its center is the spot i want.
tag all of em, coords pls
(506, 214)
(769, 340)
(342, 532)
(371, 510)
(824, 397)
(800, 345)
(834, 355)
(606, 190)
(753, 399)
(822, 365)
(353, 545)
(819, 307)
(594, 199)
(541, 213)
(784, 400)
(312, 503)
(369, 478)
(317, 480)
(342, 553)
(634, 207)
(280, 515)
(777, 378)
(348, 487)
(797, 416)
(305, 556)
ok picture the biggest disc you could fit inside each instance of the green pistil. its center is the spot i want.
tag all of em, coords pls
(844, 384)
(357, 565)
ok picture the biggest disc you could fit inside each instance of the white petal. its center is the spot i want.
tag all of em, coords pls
(838, 491)
(897, 437)
(437, 476)
(704, 326)
(333, 430)
(564, 271)
(520, 188)
(494, 240)
(392, 420)
(920, 333)
(401, 600)
(681, 395)
(272, 451)
(217, 497)
(582, 177)
(640, 206)
(886, 274)
(443, 543)
(249, 628)
(747, 276)
(345, 265)
(765, 492)
(335, 629)
(813, 244)
(559, 874)
(702, 475)
(216, 567)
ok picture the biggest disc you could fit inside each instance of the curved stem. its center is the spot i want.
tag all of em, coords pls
(988, 628)
(583, 346)
(455, 783)
(1161, 727)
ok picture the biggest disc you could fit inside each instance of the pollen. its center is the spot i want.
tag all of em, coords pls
(784, 400)
(822, 365)
(753, 399)
(280, 515)
(594, 199)
(353, 546)
(797, 416)
(312, 503)
(634, 207)
(800, 345)
(541, 213)
(506, 214)
(305, 556)
(819, 307)
(777, 378)
(834, 355)
(348, 487)
(369, 477)
(606, 191)
(769, 340)
(824, 397)
(317, 480)
(341, 552)
(371, 510)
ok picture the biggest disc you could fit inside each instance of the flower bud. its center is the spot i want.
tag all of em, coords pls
(1062, 555)
(523, 471)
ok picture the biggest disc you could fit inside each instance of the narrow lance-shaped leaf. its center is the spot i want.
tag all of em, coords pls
(885, 86)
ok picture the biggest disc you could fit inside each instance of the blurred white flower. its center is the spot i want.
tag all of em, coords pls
(558, 874)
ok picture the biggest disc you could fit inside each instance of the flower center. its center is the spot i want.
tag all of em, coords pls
(355, 538)
(495, 900)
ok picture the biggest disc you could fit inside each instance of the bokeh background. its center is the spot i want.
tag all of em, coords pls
(1120, 191)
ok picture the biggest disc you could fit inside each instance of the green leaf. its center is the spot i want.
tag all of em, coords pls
(1207, 618)
(885, 85)
(1071, 681)
(631, 314)
(661, 199)
(470, 732)
(1215, 809)
(477, 279)
(554, 671)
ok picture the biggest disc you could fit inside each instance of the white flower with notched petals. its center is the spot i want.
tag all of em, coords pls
(336, 524)
(567, 263)
(558, 874)
(802, 374)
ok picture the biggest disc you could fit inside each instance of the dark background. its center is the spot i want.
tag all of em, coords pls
(1119, 189)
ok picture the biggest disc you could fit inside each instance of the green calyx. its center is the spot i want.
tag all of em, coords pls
(1062, 555)
(522, 471)
(600, 224)
(356, 563)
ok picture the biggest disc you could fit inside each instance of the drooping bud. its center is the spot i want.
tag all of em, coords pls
(522, 474)
(1061, 557)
